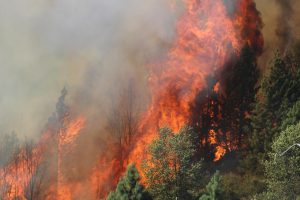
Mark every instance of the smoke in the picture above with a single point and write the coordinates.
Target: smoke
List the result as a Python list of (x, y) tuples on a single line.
[(281, 26), (92, 47), (284, 28)]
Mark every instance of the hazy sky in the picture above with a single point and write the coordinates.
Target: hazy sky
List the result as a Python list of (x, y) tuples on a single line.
[(86, 45), (46, 45)]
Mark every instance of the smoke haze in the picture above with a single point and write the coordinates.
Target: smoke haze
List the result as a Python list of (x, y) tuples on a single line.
[(91, 47), (85, 44), (97, 49), (281, 26)]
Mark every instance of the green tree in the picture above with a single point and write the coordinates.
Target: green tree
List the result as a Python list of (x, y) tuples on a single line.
[(283, 167), (279, 91), (170, 169), (129, 187), (213, 188), (292, 117)]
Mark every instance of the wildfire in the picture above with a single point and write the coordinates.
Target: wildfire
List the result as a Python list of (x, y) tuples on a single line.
[(66, 137), (206, 36), (21, 171)]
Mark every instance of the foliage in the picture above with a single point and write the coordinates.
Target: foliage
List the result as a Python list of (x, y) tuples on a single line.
[(292, 117), (213, 188), (241, 186), (279, 91), (170, 169), (129, 188), (283, 170)]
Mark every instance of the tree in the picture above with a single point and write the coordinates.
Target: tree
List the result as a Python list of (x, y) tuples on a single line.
[(213, 188), (129, 187), (9, 145), (206, 120), (279, 91), (170, 170), (239, 82), (123, 120), (292, 117), (10, 163), (283, 169), (225, 104), (34, 168)]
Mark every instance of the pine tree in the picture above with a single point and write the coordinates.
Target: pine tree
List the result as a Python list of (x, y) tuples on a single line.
[(283, 167), (225, 105), (170, 169), (292, 117), (213, 188), (278, 92), (129, 187), (239, 80), (205, 119)]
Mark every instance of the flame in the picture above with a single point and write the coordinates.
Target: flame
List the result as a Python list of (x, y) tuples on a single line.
[(16, 176), (220, 150), (206, 36), (66, 138)]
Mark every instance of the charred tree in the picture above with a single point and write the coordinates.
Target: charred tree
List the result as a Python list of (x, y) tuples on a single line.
[(239, 81), (205, 119)]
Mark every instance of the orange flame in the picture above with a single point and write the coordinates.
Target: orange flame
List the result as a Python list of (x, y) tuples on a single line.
[(65, 139), (206, 36), (15, 177)]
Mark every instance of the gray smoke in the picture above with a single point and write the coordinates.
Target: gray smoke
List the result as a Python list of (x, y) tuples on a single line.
[(93, 47), (281, 20), (285, 24)]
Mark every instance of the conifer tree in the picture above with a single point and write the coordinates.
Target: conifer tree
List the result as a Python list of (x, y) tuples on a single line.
[(239, 80), (225, 105), (170, 170), (279, 91), (292, 117), (283, 167), (213, 188), (129, 187)]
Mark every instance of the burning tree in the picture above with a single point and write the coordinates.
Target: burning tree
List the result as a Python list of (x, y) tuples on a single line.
[(28, 174), (22, 176), (201, 81), (64, 131), (123, 121)]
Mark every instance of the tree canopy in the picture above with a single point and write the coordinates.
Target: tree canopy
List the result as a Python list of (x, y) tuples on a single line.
[(283, 168), (129, 187), (170, 170)]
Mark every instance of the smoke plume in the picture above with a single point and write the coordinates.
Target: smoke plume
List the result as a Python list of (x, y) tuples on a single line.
[(281, 26), (285, 26), (92, 47)]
